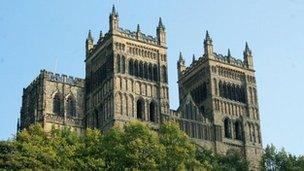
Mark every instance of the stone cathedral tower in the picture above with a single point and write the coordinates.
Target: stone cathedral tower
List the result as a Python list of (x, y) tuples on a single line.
[(126, 76), (224, 90)]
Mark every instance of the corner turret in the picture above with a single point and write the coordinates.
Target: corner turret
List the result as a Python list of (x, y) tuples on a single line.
[(229, 55), (208, 46), (161, 33), (248, 59), (89, 43), (180, 65), (193, 59), (114, 20), (138, 31)]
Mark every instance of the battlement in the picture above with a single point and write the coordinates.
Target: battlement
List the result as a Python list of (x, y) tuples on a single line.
[(62, 78), (133, 35), (229, 59), (219, 57), (56, 78)]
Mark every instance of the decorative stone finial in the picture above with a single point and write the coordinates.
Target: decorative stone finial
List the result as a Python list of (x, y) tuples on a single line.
[(207, 37), (138, 28), (247, 49), (90, 36), (181, 58), (113, 9), (229, 53), (193, 58), (100, 34), (160, 23)]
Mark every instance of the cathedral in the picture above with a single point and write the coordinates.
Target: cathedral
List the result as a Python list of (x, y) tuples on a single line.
[(126, 78)]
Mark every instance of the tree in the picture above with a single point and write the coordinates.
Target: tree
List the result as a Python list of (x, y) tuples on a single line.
[(179, 150), (233, 161), (113, 149), (207, 158), (89, 156), (273, 160), (29, 150), (66, 146), (135, 146)]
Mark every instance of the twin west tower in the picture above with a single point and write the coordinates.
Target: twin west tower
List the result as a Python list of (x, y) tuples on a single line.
[(126, 78)]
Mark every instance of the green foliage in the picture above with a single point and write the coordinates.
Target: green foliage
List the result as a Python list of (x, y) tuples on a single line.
[(179, 150), (89, 156), (135, 146), (233, 161), (142, 148), (274, 160)]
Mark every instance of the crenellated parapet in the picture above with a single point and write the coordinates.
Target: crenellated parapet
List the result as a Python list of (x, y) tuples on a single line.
[(229, 60), (116, 30), (246, 63), (62, 78), (138, 36)]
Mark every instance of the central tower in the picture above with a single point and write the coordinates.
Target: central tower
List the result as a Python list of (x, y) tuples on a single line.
[(126, 76)]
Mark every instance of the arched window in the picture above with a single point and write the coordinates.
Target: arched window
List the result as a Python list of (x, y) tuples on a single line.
[(141, 70), (57, 104), (131, 66), (140, 109), (227, 127), (238, 130), (155, 75), (146, 71), (221, 89), (150, 72), (164, 74), (233, 97), (136, 68), (152, 112), (71, 106)]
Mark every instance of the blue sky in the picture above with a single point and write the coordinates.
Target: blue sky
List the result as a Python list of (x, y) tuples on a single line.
[(36, 34)]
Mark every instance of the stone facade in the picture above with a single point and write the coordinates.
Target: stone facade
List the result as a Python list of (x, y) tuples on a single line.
[(223, 91), (54, 101), (128, 69), (126, 78)]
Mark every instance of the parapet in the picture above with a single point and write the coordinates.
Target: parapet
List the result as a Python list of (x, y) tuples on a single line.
[(133, 35), (230, 60), (62, 78), (219, 57)]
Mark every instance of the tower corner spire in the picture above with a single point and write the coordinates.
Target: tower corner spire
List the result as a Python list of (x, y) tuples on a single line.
[(113, 19), (90, 37), (160, 23), (229, 53), (193, 58), (161, 33), (181, 58), (208, 46), (181, 67), (138, 28), (248, 59), (89, 44), (114, 9)]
